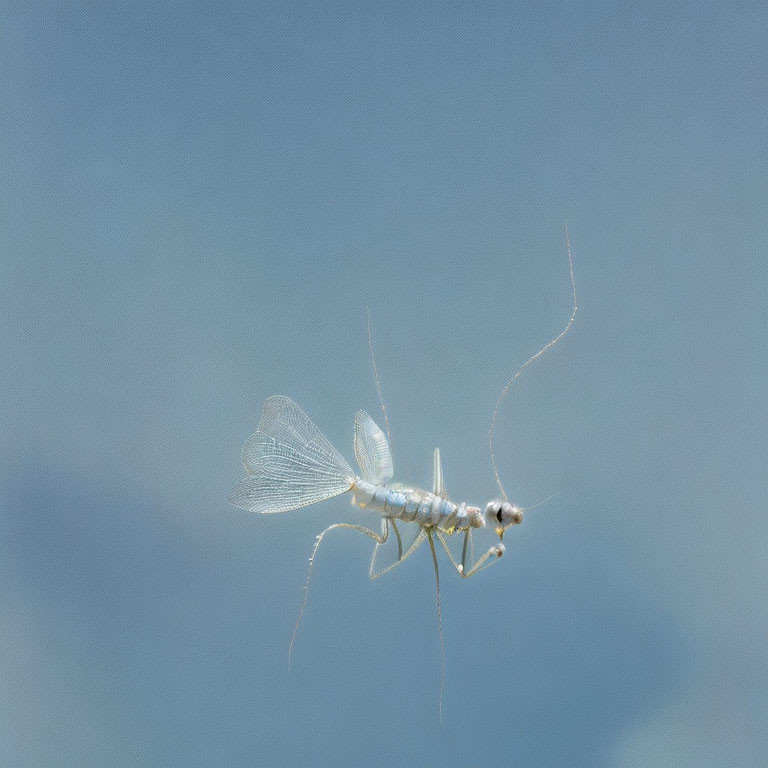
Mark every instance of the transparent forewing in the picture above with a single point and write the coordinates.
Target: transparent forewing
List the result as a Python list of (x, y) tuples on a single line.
[(438, 485), (459, 547), (403, 539), (372, 450), (284, 421), (289, 463)]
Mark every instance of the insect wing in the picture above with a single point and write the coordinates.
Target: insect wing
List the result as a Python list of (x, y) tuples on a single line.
[(372, 450), (289, 463)]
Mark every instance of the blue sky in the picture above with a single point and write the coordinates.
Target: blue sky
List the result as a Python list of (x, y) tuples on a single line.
[(199, 204)]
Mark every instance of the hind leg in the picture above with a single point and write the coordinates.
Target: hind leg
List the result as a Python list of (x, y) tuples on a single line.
[(406, 545), (379, 538)]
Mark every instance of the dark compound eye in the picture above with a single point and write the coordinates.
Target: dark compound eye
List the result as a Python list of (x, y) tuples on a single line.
[(493, 508), (498, 516)]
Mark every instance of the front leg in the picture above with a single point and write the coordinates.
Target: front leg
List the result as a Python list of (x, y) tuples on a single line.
[(465, 564)]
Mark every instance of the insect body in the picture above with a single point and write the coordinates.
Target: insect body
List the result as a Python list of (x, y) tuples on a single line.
[(290, 464)]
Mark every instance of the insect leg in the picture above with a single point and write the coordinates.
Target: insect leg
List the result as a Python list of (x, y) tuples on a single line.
[(439, 624), (486, 560), (379, 538), (405, 549)]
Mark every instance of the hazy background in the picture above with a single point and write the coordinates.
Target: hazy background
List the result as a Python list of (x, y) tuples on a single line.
[(198, 202)]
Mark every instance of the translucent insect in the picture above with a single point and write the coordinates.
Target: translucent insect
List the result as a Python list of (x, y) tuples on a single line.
[(290, 464)]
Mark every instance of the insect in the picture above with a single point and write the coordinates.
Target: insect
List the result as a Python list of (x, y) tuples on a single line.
[(290, 464)]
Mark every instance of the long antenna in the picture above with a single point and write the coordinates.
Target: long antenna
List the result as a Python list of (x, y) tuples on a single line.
[(528, 362), (376, 376)]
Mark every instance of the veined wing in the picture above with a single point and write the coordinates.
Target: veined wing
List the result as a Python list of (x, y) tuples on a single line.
[(283, 421), (372, 450), (289, 463)]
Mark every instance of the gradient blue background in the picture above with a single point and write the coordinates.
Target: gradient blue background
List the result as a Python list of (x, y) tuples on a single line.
[(199, 201)]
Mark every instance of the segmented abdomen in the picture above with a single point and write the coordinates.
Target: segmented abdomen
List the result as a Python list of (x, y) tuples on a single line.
[(409, 505)]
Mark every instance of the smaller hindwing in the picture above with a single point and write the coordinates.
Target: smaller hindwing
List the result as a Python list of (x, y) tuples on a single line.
[(372, 450)]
